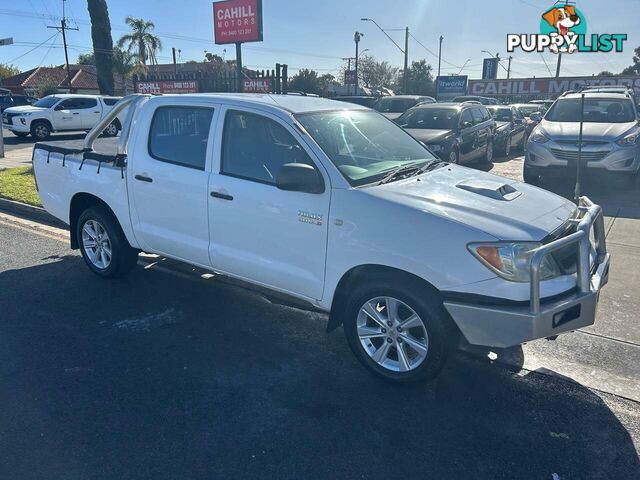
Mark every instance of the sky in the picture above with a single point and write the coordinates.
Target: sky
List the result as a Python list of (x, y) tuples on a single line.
[(318, 34)]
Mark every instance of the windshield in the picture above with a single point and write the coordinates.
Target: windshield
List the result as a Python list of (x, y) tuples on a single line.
[(46, 102), (394, 105), (596, 110), (527, 110), (430, 119), (364, 145), (500, 114)]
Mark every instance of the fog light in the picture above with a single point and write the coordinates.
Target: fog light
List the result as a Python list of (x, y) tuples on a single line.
[(23, 121)]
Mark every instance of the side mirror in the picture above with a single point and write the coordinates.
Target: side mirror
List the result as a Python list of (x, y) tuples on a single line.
[(466, 124), (59, 107), (299, 177)]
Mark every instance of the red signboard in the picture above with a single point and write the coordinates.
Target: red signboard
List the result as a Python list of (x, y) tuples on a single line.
[(168, 86), (237, 21), (257, 85)]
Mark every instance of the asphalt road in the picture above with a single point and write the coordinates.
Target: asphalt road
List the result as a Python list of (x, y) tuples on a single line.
[(71, 140), (164, 375)]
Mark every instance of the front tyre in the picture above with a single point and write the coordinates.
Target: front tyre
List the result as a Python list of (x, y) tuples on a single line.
[(103, 245), (400, 334), (40, 130), (454, 156), (488, 156)]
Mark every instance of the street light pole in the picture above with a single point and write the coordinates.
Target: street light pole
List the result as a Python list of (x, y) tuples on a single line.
[(356, 38), (406, 60), (509, 67), (440, 54)]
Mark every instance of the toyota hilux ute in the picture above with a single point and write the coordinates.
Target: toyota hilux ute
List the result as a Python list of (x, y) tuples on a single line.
[(336, 207)]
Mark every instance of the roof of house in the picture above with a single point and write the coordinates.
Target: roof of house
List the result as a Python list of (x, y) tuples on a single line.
[(83, 77)]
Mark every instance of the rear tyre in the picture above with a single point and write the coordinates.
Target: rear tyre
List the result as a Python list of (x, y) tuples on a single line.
[(40, 130), (111, 130), (103, 245), (488, 156), (397, 331)]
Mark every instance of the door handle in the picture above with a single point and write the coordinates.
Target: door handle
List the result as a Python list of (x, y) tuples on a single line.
[(222, 196), (142, 178)]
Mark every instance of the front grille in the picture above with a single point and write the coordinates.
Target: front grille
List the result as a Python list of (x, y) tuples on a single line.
[(567, 257), (9, 117), (572, 155)]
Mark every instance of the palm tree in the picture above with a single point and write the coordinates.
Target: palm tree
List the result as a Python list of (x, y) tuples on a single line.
[(102, 44), (141, 41)]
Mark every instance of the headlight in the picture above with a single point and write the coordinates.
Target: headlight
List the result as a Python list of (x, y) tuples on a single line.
[(512, 260), (538, 137), (629, 140), (435, 147)]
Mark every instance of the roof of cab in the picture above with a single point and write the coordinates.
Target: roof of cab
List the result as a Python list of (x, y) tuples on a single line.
[(288, 103)]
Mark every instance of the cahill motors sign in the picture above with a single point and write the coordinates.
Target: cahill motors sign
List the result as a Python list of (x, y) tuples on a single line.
[(237, 21), (546, 87), (563, 29)]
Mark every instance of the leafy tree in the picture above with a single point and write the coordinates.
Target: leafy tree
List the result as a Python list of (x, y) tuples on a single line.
[(141, 41), (102, 44), (7, 71), (635, 68), (86, 59), (420, 79), (48, 88), (126, 64), (309, 81), (606, 73), (372, 73)]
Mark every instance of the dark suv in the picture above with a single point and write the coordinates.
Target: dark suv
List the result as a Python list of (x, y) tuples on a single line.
[(394, 106), (456, 132), (7, 101)]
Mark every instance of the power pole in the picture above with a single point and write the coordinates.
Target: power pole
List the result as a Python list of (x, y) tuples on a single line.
[(62, 28), (406, 59), (509, 67), (558, 65), (440, 54)]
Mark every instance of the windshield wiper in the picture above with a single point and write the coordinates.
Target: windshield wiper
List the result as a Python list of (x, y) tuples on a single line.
[(399, 171)]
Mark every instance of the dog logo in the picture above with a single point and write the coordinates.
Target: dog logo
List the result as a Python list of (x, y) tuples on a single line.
[(563, 19), (563, 29)]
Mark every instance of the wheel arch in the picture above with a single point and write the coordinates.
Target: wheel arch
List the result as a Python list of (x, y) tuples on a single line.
[(79, 203), (360, 273), (41, 120)]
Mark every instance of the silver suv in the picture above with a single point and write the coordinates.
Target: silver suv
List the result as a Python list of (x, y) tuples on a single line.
[(610, 140)]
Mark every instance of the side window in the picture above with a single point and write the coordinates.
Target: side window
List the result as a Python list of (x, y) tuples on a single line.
[(466, 117), (110, 101), (77, 103), (179, 135), (516, 114), (87, 103), (255, 147), (486, 116), (477, 116)]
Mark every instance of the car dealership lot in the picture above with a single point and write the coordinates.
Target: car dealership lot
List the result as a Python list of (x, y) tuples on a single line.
[(211, 380)]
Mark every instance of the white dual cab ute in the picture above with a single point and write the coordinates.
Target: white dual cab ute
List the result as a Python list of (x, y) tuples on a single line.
[(336, 207), (61, 113)]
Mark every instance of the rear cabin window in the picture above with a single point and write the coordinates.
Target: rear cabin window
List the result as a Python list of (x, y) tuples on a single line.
[(255, 147), (179, 135), (110, 101)]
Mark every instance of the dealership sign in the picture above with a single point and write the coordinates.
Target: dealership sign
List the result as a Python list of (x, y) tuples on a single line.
[(490, 68), (171, 86), (451, 86), (546, 86), (237, 21), (257, 85)]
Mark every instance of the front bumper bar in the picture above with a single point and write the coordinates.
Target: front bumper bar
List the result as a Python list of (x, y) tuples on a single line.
[(506, 326)]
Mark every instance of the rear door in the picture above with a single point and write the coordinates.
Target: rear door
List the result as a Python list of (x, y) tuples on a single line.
[(169, 175), (260, 233), (91, 112)]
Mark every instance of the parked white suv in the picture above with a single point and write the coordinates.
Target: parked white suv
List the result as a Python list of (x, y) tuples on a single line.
[(335, 206), (60, 113)]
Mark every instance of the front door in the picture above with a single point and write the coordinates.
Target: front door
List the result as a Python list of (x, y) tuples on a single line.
[(260, 233), (168, 178), (67, 115)]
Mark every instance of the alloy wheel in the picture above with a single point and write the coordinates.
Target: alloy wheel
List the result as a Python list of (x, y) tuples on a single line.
[(392, 334), (111, 130), (507, 148), (41, 131), (96, 244), (453, 158)]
